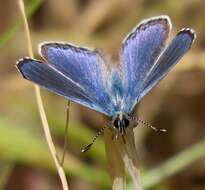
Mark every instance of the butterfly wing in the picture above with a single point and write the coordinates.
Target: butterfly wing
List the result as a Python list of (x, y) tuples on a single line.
[(139, 51), (80, 74), (77, 74), (169, 57)]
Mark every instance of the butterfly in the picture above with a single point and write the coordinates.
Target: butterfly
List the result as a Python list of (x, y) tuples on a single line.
[(85, 77)]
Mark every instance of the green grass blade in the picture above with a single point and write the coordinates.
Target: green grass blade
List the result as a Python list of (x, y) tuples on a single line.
[(173, 165), (21, 145), (31, 8)]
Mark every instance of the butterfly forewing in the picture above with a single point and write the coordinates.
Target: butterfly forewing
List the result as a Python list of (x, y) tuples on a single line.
[(139, 52), (71, 69), (49, 78)]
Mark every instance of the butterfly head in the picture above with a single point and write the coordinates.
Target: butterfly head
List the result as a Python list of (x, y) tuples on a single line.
[(120, 122)]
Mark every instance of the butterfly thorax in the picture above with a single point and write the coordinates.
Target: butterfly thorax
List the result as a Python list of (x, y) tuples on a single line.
[(121, 121)]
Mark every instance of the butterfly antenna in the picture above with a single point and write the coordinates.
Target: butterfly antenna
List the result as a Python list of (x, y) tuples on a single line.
[(66, 132), (85, 149), (151, 126)]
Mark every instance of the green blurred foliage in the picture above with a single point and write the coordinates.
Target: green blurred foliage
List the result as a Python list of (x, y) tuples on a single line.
[(176, 104)]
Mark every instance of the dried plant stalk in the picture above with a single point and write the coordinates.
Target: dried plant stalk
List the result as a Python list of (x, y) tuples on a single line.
[(128, 154), (115, 162), (44, 121)]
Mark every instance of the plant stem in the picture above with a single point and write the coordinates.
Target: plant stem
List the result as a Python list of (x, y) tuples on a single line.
[(116, 165), (41, 108), (33, 5), (22, 146), (128, 153), (172, 166)]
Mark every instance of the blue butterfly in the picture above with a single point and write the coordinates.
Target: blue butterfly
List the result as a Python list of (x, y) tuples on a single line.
[(83, 76)]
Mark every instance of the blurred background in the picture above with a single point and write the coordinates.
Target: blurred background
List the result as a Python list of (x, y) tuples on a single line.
[(177, 104)]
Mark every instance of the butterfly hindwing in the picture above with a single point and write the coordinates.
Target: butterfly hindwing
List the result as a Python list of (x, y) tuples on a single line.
[(169, 57)]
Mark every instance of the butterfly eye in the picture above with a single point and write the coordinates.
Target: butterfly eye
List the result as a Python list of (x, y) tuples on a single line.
[(126, 122), (116, 122), (121, 122)]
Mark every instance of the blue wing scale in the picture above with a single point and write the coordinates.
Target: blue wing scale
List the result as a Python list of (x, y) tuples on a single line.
[(139, 51), (82, 76), (168, 59)]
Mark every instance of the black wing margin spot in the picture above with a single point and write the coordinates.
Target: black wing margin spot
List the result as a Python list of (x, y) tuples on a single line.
[(188, 31), (21, 62)]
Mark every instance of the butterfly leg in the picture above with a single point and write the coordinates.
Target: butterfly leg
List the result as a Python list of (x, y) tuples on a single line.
[(66, 131)]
